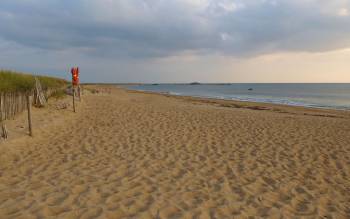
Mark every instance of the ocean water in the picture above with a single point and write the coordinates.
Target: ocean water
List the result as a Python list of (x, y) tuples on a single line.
[(335, 96)]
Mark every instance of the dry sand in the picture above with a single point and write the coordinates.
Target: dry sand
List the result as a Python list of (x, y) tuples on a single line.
[(137, 155)]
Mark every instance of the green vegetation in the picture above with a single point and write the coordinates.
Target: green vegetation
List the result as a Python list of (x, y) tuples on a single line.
[(50, 82), (13, 81), (59, 94)]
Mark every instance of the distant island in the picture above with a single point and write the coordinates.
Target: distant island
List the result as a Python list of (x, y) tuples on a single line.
[(195, 83)]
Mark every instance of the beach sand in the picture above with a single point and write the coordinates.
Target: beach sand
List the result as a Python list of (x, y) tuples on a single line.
[(129, 154)]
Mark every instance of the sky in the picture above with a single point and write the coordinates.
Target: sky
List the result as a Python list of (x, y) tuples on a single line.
[(176, 41)]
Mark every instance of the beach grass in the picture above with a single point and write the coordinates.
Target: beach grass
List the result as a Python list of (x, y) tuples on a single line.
[(59, 94), (11, 81)]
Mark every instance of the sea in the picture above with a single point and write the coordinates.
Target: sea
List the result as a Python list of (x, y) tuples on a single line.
[(328, 95)]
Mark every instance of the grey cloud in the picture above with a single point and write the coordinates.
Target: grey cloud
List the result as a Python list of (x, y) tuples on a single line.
[(156, 28)]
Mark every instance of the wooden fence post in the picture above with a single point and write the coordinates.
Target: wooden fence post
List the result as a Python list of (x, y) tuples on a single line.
[(79, 92), (29, 115), (3, 130), (73, 98)]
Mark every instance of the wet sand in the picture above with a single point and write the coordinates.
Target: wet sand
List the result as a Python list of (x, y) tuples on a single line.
[(129, 154)]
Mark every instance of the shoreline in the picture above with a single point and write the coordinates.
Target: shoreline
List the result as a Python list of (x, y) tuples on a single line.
[(297, 104), (276, 107)]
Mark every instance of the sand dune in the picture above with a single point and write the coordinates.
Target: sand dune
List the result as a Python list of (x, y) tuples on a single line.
[(137, 155)]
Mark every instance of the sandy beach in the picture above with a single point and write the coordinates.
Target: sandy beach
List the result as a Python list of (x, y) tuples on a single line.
[(129, 154)]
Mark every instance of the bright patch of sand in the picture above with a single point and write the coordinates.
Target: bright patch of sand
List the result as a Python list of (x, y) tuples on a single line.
[(136, 155)]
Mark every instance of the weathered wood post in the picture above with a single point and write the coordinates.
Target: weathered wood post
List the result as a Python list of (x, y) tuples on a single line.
[(3, 130), (29, 115), (79, 92), (73, 88)]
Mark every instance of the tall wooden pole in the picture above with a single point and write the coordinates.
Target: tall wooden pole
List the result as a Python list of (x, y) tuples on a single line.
[(73, 98), (29, 115), (79, 92)]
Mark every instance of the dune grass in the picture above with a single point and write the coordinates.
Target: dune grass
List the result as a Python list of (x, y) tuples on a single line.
[(59, 94), (11, 81)]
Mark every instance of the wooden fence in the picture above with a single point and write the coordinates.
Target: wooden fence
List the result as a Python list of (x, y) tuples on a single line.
[(14, 103), (11, 104)]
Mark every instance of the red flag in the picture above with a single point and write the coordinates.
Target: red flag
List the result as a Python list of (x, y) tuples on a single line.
[(75, 75)]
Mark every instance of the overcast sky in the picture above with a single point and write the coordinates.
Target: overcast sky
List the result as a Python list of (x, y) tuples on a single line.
[(179, 40)]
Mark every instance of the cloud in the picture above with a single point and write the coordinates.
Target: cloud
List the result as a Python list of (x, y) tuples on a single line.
[(343, 12), (156, 28)]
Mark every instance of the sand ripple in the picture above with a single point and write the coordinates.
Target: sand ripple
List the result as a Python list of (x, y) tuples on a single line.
[(149, 156)]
